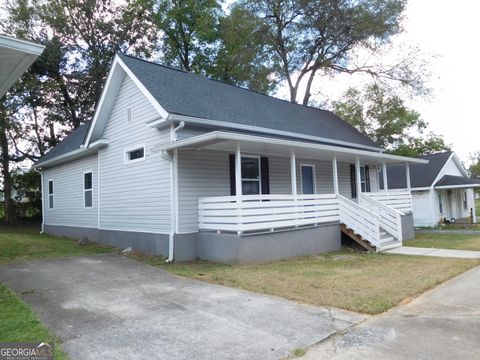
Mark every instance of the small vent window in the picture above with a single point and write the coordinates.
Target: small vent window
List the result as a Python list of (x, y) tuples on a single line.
[(136, 154), (129, 113)]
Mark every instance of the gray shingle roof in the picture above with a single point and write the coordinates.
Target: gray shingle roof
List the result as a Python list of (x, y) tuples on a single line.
[(451, 180), (421, 175), (193, 95), (70, 143)]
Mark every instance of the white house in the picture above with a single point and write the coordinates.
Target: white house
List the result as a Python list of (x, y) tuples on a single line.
[(440, 189), (177, 164), (16, 56)]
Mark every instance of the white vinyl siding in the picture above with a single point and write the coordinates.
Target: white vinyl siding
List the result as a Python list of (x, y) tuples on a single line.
[(189, 131), (134, 196), (200, 173), (69, 194), (206, 173), (424, 213)]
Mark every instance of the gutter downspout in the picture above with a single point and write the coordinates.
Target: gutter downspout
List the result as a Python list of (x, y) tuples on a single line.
[(173, 197), (43, 205)]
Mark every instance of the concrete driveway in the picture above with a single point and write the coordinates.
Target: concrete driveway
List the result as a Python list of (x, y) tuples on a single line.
[(444, 323), (112, 307)]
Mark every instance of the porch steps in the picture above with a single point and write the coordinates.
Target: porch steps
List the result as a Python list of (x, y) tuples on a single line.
[(387, 241), (357, 238)]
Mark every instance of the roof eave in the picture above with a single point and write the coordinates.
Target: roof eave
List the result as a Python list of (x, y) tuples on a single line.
[(72, 155), (223, 124), (219, 136)]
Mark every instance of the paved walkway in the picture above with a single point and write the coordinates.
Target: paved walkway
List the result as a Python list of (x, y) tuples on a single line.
[(112, 307), (410, 250), (442, 324), (448, 231)]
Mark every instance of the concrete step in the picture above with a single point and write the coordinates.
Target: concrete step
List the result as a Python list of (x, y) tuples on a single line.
[(390, 245)]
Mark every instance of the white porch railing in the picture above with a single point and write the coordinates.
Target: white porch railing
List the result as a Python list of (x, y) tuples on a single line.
[(389, 218), (259, 213), (361, 220), (265, 212), (400, 200)]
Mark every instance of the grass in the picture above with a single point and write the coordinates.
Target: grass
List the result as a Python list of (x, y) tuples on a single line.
[(366, 283), (18, 323), (446, 241), (25, 243)]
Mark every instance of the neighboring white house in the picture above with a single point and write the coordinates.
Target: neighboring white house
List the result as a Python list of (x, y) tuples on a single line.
[(177, 164), (440, 189), (16, 56)]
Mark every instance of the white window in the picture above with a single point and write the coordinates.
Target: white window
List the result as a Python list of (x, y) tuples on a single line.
[(50, 194), (251, 184), (307, 173), (135, 154), (440, 204), (88, 189), (129, 114), (364, 178), (465, 202)]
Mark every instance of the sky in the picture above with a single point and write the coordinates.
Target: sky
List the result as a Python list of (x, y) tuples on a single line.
[(450, 31)]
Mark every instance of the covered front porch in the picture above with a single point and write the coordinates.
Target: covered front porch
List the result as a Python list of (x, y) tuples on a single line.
[(277, 185)]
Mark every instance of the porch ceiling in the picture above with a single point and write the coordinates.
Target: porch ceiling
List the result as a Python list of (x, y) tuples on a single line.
[(225, 141)]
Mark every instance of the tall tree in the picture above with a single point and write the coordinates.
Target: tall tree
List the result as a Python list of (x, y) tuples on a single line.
[(188, 31), (382, 115), (242, 57), (309, 37)]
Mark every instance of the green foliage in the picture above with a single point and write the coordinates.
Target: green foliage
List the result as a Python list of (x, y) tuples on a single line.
[(308, 37), (241, 63), (27, 196), (190, 31), (382, 115), (474, 168)]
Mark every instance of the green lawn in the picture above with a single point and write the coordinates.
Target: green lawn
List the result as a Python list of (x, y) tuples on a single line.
[(25, 243), (367, 283), (17, 321), (446, 241)]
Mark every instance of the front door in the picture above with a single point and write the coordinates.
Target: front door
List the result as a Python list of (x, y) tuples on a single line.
[(308, 179)]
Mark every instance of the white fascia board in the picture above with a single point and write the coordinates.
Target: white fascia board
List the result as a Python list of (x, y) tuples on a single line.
[(225, 136), (228, 125), (73, 155), (27, 51), (110, 91), (439, 175), (24, 46), (460, 165), (463, 186)]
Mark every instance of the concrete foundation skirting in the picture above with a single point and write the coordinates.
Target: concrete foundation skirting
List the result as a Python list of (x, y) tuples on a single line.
[(408, 230), (225, 248), (231, 248)]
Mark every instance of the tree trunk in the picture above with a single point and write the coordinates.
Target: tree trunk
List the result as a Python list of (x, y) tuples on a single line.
[(307, 95), (7, 179)]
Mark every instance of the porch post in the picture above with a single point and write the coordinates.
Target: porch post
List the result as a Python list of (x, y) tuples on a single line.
[(335, 174), (407, 174), (238, 172), (359, 180), (293, 172), (385, 179)]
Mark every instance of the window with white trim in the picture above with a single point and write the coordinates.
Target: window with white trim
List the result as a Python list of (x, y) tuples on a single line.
[(440, 204), (135, 154), (50, 194), (364, 178), (88, 189), (251, 183), (465, 202)]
